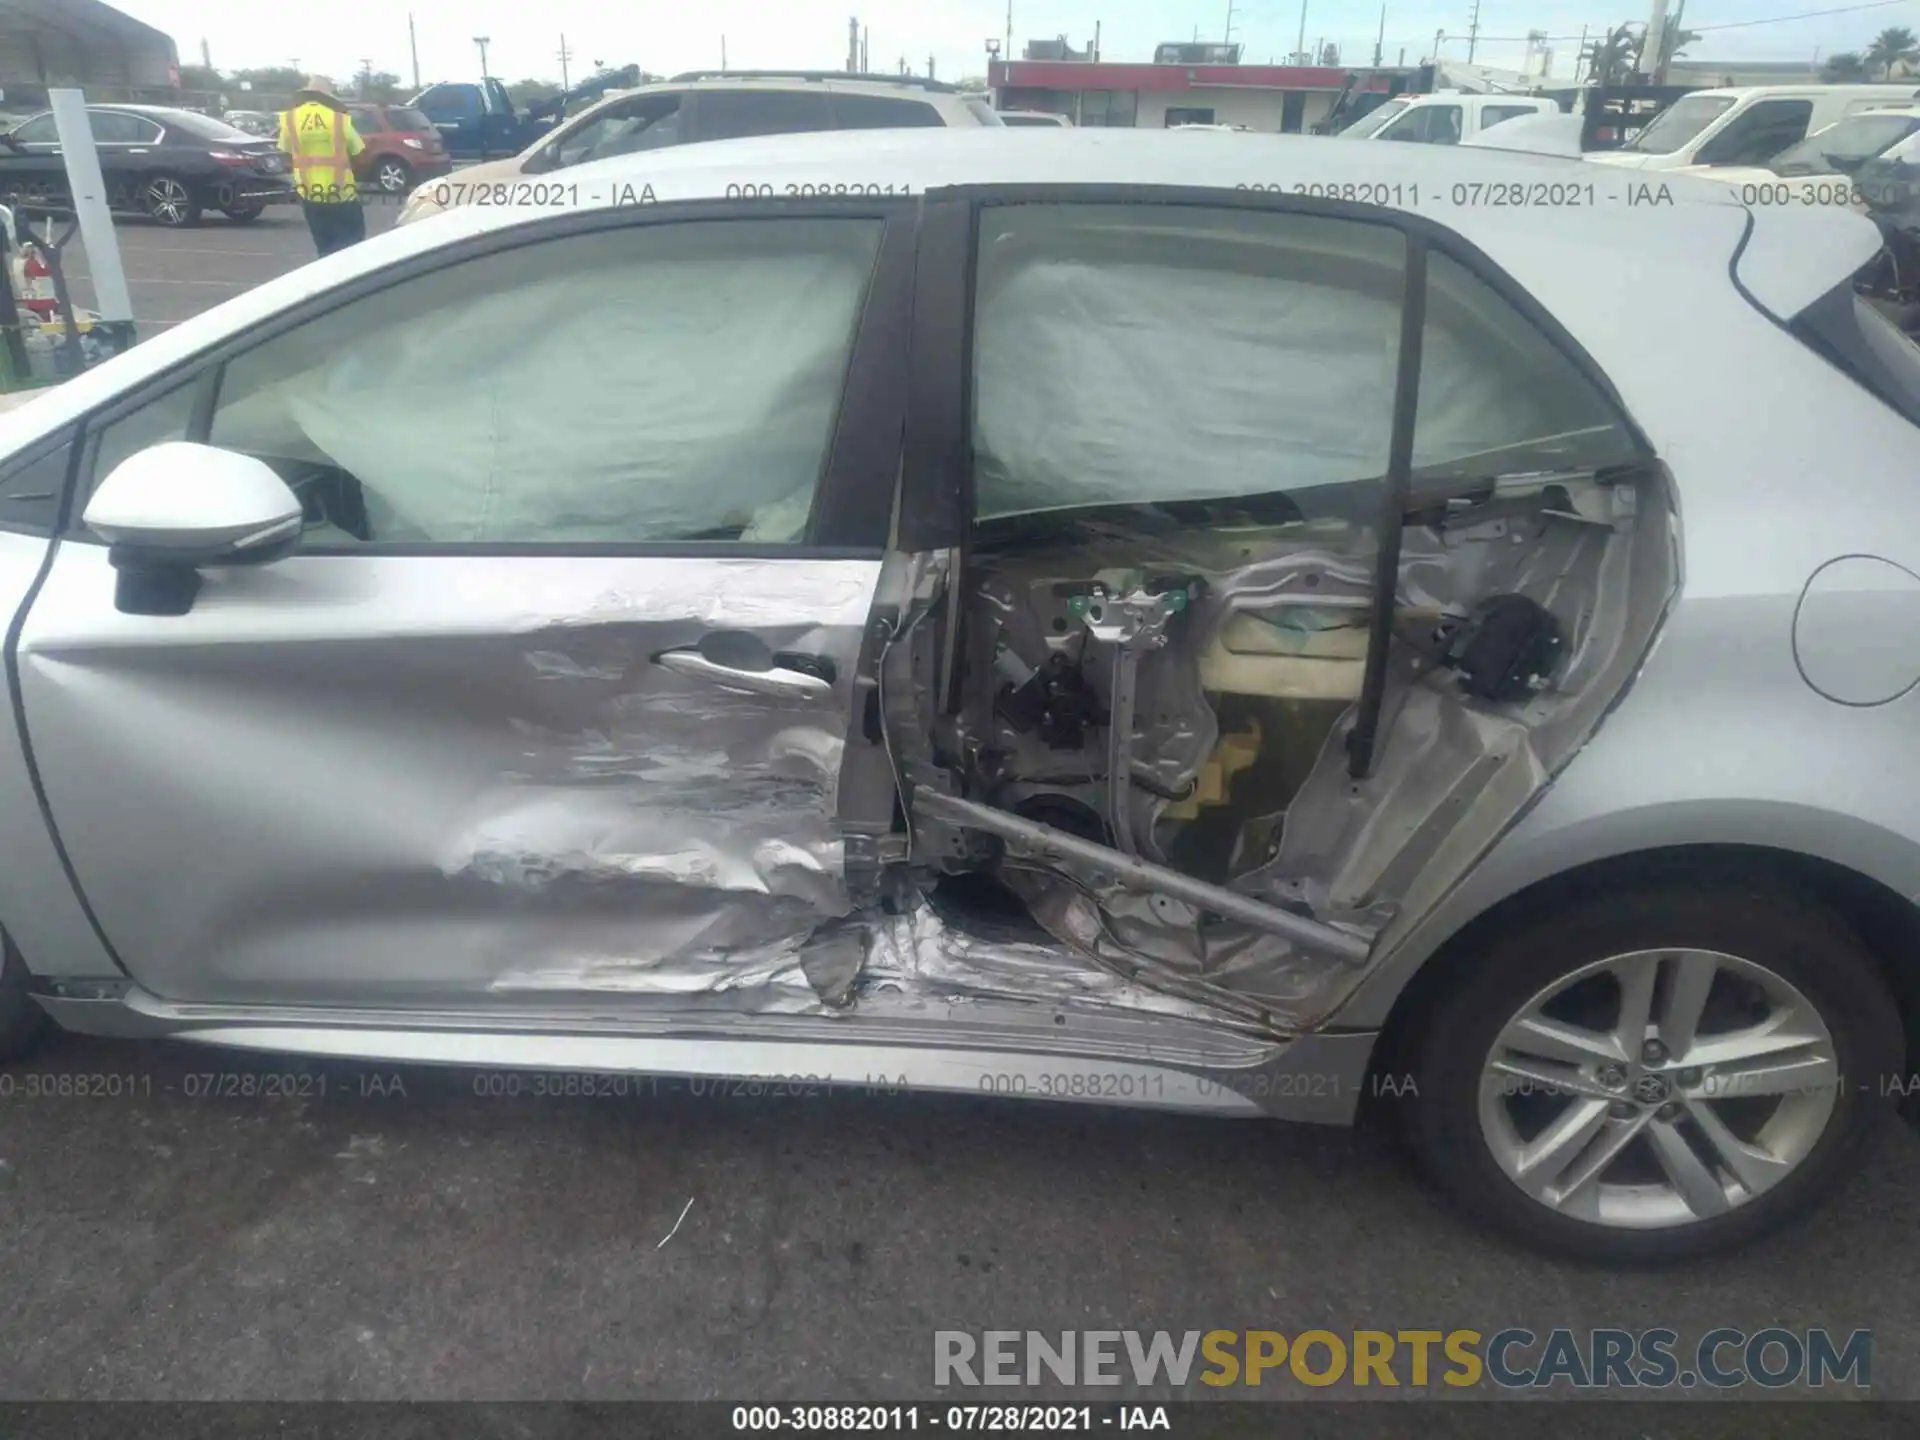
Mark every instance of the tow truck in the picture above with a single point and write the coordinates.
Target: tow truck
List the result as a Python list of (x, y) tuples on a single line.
[(478, 120)]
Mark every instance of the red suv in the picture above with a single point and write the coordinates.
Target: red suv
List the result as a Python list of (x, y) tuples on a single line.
[(403, 148)]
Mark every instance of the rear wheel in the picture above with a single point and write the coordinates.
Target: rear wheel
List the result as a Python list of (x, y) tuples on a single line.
[(170, 200), (393, 175), (22, 1021), (1656, 1074)]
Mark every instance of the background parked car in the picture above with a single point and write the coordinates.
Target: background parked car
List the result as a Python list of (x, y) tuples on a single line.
[(1446, 118), (167, 164), (1033, 117), (264, 123), (700, 106), (1807, 173), (403, 147), (478, 120), (1745, 125)]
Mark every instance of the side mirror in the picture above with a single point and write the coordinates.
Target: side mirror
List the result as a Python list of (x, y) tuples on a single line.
[(6, 139), (175, 507)]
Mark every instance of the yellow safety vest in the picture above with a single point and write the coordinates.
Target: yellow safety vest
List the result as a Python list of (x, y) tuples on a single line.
[(320, 141)]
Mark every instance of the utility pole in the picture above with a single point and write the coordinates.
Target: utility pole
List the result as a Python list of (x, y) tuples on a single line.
[(929, 67), (566, 80), (1096, 41), (1580, 55), (1655, 42), (364, 81), (482, 42), (413, 48), (853, 45), (1009, 29), (866, 51), (206, 56), (1300, 45), (1473, 31), (1380, 39), (1668, 30), (1228, 36), (723, 54), (1438, 36)]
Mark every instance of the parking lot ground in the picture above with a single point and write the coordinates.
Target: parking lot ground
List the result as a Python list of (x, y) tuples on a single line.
[(410, 1235), (173, 275)]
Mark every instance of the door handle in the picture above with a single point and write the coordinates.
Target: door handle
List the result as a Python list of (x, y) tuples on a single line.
[(782, 683)]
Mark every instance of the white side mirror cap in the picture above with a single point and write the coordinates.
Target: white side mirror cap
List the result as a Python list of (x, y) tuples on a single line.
[(194, 505)]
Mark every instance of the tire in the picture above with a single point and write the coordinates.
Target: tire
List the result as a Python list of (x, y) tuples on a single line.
[(22, 1022), (243, 214), (170, 201), (1769, 954), (393, 175)]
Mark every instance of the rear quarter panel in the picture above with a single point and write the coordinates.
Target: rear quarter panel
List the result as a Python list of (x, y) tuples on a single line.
[(1781, 464)]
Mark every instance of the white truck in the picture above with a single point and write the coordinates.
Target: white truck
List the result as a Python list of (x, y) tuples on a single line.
[(1446, 117)]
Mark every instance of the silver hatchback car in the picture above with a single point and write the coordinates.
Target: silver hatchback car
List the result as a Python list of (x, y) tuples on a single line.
[(1269, 630)]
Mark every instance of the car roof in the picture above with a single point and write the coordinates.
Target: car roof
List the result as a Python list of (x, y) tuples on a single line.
[(905, 88), (1795, 91), (154, 110), (1454, 97)]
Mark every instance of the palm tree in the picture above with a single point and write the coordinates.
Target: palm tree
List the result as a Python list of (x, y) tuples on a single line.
[(1893, 46), (1674, 41)]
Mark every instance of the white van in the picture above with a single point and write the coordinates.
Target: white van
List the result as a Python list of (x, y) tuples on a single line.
[(1745, 125), (1446, 117), (1821, 169)]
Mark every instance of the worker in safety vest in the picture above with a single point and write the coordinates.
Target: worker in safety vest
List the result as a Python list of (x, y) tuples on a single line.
[(320, 139)]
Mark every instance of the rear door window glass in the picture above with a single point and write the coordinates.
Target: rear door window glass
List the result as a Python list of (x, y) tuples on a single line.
[(1497, 397), (879, 112), (1145, 357), (649, 122), (731, 114), (1758, 134), (1494, 114), (1142, 356)]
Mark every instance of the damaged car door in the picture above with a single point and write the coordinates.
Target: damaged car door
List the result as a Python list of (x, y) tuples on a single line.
[(555, 693), (1303, 551)]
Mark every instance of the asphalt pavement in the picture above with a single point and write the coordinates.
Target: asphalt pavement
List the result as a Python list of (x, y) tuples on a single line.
[(172, 275), (378, 1232), (372, 1233)]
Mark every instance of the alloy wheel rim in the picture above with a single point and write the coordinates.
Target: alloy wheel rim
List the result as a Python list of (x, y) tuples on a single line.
[(168, 199), (392, 177), (1658, 1088)]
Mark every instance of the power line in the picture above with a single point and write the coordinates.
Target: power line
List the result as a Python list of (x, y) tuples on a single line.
[(1810, 15), (1730, 25)]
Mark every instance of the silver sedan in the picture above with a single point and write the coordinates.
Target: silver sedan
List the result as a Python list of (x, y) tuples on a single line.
[(1264, 630)]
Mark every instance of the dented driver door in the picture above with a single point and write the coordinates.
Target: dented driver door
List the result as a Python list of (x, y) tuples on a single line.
[(555, 698)]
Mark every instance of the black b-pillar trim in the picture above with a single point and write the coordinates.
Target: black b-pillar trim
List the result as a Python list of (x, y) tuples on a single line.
[(1363, 738)]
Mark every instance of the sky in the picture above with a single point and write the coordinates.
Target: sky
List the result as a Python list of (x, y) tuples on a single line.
[(524, 40)]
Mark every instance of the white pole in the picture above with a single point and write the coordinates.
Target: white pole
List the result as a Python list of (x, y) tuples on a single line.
[(89, 191), (1656, 39)]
